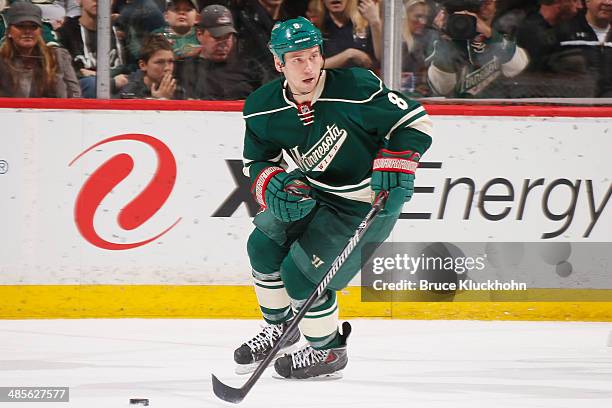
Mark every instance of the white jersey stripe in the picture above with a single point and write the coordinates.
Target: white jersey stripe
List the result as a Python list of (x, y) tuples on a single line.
[(267, 112), (246, 163), (380, 88), (584, 42), (359, 185), (406, 117)]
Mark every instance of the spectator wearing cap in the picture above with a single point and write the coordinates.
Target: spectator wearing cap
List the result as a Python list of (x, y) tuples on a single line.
[(79, 36), (28, 67), (48, 30), (217, 73), (181, 17), (155, 76)]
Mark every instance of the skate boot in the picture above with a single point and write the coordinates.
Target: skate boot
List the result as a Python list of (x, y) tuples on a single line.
[(309, 363), (250, 354)]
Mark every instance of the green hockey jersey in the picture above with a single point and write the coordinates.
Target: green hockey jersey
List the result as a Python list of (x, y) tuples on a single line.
[(333, 139)]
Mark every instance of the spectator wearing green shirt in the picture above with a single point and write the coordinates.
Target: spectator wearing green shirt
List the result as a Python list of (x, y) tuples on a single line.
[(181, 17)]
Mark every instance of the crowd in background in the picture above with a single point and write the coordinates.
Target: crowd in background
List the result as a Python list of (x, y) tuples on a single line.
[(217, 50)]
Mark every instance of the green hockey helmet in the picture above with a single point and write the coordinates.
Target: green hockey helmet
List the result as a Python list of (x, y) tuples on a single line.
[(293, 35)]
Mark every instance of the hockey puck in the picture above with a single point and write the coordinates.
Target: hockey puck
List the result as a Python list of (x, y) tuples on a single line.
[(139, 401)]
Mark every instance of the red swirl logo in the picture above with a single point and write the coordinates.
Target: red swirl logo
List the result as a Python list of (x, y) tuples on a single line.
[(109, 175)]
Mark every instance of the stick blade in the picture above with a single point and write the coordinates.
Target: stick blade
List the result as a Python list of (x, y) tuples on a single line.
[(227, 393)]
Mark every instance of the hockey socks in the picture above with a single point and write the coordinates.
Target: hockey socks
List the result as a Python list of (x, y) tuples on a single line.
[(272, 297), (320, 324)]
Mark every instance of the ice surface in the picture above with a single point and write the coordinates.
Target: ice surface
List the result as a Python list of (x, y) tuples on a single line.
[(420, 364)]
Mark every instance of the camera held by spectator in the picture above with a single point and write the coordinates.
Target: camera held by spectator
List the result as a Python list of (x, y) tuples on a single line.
[(460, 25)]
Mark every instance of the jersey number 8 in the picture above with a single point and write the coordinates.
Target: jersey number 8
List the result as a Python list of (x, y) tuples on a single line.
[(396, 100)]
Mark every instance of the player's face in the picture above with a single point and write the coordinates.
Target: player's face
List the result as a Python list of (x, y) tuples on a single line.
[(216, 49), (302, 69), (160, 64)]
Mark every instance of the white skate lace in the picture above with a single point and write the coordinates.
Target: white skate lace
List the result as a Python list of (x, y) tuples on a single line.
[(307, 356), (268, 336)]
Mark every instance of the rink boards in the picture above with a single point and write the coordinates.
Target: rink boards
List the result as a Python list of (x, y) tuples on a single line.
[(110, 211)]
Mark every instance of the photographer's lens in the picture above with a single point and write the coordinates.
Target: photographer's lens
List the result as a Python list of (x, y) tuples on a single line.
[(461, 27)]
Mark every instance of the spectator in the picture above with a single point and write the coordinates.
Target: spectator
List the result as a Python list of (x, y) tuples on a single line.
[(254, 21), (72, 7), (472, 67), (352, 33), (314, 12), (537, 34), (137, 20), (590, 34), (418, 39), (54, 14), (181, 17), (216, 73), (154, 79), (551, 72), (48, 33), (28, 67), (511, 13), (79, 36)]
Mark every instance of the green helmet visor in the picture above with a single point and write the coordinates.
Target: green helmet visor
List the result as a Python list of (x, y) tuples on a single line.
[(294, 35)]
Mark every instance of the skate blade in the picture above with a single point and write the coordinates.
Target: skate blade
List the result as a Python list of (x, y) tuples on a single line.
[(324, 377), (242, 369)]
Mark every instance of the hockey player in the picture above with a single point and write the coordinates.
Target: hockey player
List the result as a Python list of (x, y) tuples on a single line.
[(350, 138)]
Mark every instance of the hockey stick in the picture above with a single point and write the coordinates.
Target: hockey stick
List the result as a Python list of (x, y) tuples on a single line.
[(236, 395)]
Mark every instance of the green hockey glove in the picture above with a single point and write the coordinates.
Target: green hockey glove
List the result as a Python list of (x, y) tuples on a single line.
[(394, 172), (283, 193)]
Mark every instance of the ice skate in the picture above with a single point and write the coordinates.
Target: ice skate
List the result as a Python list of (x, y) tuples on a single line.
[(250, 354), (307, 362)]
